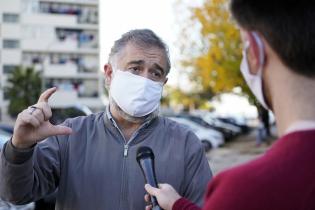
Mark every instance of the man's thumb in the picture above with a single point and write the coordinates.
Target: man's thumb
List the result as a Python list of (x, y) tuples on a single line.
[(151, 190)]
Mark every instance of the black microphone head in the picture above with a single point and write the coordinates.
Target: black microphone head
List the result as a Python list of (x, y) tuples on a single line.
[(144, 152)]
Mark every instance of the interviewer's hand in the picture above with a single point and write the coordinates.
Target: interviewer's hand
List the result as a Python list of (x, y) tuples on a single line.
[(32, 124), (166, 196)]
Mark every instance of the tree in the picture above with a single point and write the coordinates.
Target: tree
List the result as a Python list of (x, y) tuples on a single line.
[(184, 101), (23, 89), (215, 65)]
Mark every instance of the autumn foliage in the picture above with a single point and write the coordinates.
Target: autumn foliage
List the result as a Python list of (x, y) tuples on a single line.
[(213, 66)]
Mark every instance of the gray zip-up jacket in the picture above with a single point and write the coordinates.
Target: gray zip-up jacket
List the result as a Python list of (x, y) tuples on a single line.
[(94, 168)]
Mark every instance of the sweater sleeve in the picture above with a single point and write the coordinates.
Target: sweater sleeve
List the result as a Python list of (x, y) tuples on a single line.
[(197, 171), (34, 175), (184, 204), (15, 155), (30, 174)]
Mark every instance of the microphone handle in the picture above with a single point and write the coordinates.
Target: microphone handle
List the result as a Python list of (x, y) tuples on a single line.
[(150, 178), (155, 204), (153, 199), (156, 208)]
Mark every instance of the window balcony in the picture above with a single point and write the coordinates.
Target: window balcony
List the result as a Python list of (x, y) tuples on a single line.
[(60, 70)]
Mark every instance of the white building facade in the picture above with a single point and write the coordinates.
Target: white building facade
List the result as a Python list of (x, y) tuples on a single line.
[(60, 38)]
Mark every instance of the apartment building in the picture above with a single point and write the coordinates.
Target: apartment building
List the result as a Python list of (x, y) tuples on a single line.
[(60, 38)]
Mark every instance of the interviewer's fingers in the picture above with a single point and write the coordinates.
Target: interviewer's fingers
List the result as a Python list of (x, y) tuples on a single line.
[(149, 207), (166, 195), (147, 198), (151, 190)]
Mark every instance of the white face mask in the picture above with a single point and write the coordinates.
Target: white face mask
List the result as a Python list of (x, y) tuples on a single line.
[(135, 95), (254, 81)]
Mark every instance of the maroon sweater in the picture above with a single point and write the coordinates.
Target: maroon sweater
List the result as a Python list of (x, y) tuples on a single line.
[(282, 179)]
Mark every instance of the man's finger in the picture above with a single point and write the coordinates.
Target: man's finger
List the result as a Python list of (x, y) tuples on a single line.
[(149, 207), (45, 108), (59, 130), (39, 114), (151, 190), (28, 119), (46, 94)]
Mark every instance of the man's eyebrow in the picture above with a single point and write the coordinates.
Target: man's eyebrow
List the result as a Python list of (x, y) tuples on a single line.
[(141, 62), (138, 62)]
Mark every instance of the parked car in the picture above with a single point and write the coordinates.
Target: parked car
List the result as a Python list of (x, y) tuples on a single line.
[(228, 134), (59, 115), (245, 128), (4, 137), (209, 138), (235, 130), (7, 128)]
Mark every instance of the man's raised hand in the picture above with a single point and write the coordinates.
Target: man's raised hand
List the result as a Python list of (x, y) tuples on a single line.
[(32, 124)]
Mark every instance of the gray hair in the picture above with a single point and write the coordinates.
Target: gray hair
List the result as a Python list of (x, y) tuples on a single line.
[(140, 37)]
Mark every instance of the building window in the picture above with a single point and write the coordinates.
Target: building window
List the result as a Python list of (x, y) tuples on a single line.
[(10, 18), (30, 6), (11, 43), (9, 68)]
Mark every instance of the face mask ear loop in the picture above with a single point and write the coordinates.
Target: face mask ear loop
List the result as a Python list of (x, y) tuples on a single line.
[(261, 60), (261, 52)]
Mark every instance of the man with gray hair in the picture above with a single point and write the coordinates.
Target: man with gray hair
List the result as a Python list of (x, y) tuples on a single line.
[(91, 161)]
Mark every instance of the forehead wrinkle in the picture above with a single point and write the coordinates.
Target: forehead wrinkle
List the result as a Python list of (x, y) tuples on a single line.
[(136, 53)]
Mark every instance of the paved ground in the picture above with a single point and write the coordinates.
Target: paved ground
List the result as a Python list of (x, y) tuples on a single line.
[(236, 152)]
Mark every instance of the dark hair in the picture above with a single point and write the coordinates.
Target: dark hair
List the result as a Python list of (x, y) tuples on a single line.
[(287, 25), (140, 37)]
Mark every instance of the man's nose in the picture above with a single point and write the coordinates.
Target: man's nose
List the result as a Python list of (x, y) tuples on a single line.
[(145, 73)]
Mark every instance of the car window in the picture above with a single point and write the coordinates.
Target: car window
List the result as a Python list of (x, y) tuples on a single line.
[(4, 137), (60, 115)]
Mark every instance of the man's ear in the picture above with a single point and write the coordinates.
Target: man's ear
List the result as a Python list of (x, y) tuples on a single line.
[(108, 72), (166, 79), (254, 51)]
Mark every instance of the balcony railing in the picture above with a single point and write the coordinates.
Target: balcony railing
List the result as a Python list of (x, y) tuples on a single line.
[(84, 14)]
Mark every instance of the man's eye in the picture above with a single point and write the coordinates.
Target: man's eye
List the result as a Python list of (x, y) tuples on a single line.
[(157, 74), (134, 68)]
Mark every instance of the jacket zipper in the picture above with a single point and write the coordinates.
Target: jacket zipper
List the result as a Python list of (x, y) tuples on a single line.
[(126, 147), (124, 193), (123, 179)]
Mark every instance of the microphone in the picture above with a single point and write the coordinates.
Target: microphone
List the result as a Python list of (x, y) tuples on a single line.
[(145, 158)]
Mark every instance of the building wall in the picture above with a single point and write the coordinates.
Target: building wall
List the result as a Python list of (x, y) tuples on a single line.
[(59, 38)]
